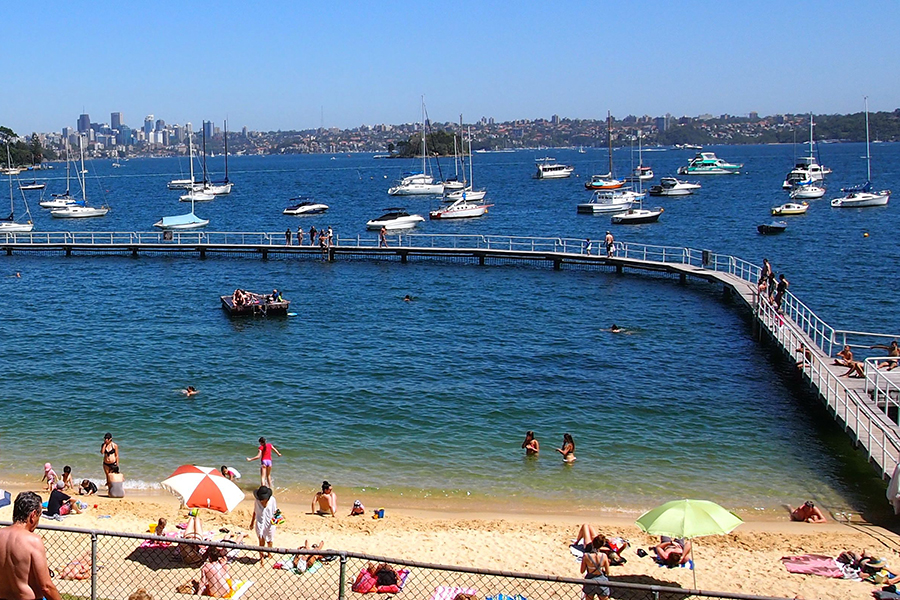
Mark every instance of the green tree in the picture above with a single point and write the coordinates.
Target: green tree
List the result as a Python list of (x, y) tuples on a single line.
[(37, 151)]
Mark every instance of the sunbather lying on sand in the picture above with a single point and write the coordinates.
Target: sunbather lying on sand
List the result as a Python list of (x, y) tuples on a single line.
[(302, 562), (673, 552), (78, 568)]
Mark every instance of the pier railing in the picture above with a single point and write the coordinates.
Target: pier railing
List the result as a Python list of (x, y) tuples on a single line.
[(103, 564)]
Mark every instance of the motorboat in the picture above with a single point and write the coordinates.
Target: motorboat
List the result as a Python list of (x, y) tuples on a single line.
[(772, 227), (637, 216), (305, 206), (79, 210), (32, 185), (395, 218), (862, 195), (806, 190), (707, 163), (461, 209), (806, 168), (688, 147), (244, 303), (603, 182), (606, 202), (791, 208), (670, 186), (552, 170)]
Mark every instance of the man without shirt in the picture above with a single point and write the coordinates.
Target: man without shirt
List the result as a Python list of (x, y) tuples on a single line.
[(24, 573)]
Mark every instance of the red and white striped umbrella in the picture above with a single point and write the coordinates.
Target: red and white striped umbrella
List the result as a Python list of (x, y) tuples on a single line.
[(203, 487)]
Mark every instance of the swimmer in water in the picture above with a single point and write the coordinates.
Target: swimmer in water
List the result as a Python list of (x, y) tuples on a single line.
[(190, 391), (615, 329), (407, 298)]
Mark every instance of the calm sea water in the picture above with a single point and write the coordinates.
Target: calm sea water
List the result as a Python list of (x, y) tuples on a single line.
[(431, 399)]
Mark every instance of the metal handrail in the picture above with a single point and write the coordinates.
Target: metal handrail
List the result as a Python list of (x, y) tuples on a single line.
[(881, 387)]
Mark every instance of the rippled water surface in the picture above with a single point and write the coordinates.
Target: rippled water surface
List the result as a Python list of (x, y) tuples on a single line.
[(431, 398)]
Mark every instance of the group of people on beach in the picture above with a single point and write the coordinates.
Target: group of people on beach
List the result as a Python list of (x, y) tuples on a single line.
[(532, 447)]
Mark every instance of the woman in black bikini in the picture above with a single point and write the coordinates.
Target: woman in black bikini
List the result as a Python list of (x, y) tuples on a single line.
[(110, 452)]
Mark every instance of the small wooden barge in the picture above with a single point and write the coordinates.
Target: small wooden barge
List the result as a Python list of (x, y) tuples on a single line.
[(243, 303)]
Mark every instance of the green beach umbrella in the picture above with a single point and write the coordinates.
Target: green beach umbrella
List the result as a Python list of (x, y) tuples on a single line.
[(688, 519)]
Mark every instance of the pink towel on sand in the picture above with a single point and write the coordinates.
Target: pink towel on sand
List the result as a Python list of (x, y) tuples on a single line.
[(445, 592), (813, 564)]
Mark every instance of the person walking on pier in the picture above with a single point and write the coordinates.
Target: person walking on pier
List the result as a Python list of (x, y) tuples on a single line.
[(312, 235), (610, 244), (765, 273), (287, 236), (299, 236), (382, 238), (588, 246)]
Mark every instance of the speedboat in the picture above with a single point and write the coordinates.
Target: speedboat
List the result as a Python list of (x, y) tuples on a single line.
[(636, 216), (806, 190), (670, 186), (791, 208), (551, 170), (603, 182), (688, 147), (395, 218), (772, 227), (607, 202), (33, 185), (461, 209), (305, 207), (861, 196), (806, 169), (79, 210), (706, 163), (417, 184)]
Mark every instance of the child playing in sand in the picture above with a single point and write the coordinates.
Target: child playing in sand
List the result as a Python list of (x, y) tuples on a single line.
[(68, 482), (358, 509), (50, 477)]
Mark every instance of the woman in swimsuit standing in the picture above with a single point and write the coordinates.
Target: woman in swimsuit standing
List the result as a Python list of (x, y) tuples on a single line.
[(265, 462), (531, 445), (568, 448), (110, 452), (595, 566)]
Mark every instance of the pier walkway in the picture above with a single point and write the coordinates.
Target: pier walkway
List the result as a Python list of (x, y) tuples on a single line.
[(868, 408)]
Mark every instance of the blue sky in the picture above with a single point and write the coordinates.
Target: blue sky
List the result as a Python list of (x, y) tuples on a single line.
[(296, 65)]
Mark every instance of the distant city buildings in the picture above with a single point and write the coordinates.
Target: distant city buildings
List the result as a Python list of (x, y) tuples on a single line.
[(115, 120)]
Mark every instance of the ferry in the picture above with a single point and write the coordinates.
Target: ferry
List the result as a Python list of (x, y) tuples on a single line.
[(707, 163)]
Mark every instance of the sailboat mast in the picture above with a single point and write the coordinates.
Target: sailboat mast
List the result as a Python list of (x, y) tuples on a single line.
[(191, 155), (68, 163), (811, 134), (226, 151), (868, 157), (423, 135), (471, 173), (205, 181), (81, 147), (9, 173), (609, 139)]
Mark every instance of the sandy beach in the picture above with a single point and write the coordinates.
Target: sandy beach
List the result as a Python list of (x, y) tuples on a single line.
[(746, 561)]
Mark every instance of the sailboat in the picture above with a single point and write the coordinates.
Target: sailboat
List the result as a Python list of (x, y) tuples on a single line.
[(64, 199), (451, 184), (640, 172), (862, 195), (196, 194), (418, 184), (807, 169), (9, 224), (467, 193), (606, 182), (80, 209), (189, 220), (217, 188)]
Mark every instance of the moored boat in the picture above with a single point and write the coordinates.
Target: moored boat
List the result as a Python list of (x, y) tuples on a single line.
[(862, 195), (707, 163), (552, 170), (807, 190), (670, 186), (637, 216), (607, 202), (772, 227), (395, 218), (243, 303), (305, 206), (32, 185), (790, 208), (461, 209)]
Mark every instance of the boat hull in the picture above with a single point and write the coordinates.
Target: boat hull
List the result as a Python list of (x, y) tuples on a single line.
[(78, 212), (417, 189), (773, 228), (862, 200), (395, 224), (790, 209), (637, 217), (13, 227)]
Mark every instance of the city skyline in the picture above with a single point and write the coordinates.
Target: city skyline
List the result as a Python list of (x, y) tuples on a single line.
[(297, 66)]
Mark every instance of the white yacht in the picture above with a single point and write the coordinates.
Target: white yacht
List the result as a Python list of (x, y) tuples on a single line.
[(416, 184), (862, 195), (607, 202), (807, 190), (552, 170), (79, 209), (670, 186), (394, 219), (461, 209), (806, 168), (305, 206)]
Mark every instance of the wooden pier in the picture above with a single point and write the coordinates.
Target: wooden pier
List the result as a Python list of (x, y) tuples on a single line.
[(867, 408)]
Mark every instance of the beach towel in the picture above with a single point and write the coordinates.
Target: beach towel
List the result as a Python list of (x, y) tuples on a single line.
[(813, 564), (506, 597), (158, 543), (365, 583), (446, 592), (238, 588), (290, 568), (688, 565), (577, 550)]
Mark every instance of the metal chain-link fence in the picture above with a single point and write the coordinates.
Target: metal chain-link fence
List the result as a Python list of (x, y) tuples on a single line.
[(90, 564)]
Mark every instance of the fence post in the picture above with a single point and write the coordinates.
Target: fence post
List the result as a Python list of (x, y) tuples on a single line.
[(93, 565), (343, 579)]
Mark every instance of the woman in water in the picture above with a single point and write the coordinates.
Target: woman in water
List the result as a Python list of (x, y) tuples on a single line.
[(568, 448), (531, 445), (110, 452), (265, 462)]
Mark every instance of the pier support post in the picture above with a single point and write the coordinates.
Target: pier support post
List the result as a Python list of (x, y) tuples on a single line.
[(403, 258), (727, 293), (618, 269), (265, 254), (202, 252), (682, 278), (134, 251), (8, 251), (331, 255), (481, 260), (68, 250), (557, 264)]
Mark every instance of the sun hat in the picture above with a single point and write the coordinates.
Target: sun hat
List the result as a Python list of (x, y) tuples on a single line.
[(47, 466), (357, 503)]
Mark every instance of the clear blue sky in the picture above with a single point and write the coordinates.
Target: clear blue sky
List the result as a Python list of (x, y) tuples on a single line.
[(294, 65)]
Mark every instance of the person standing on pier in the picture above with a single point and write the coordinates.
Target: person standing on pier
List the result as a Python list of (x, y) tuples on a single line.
[(382, 238), (287, 236), (299, 236), (765, 273), (330, 237), (610, 244), (312, 235), (781, 290), (588, 246)]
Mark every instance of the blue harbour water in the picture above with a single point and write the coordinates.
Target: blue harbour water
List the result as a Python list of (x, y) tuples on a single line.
[(431, 399)]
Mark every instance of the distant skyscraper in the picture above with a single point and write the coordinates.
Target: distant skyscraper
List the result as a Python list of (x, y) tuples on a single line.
[(84, 123), (115, 120), (148, 125), (160, 125), (244, 131), (208, 129), (124, 136)]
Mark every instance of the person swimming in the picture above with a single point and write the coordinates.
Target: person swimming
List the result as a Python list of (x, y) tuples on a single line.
[(189, 391)]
